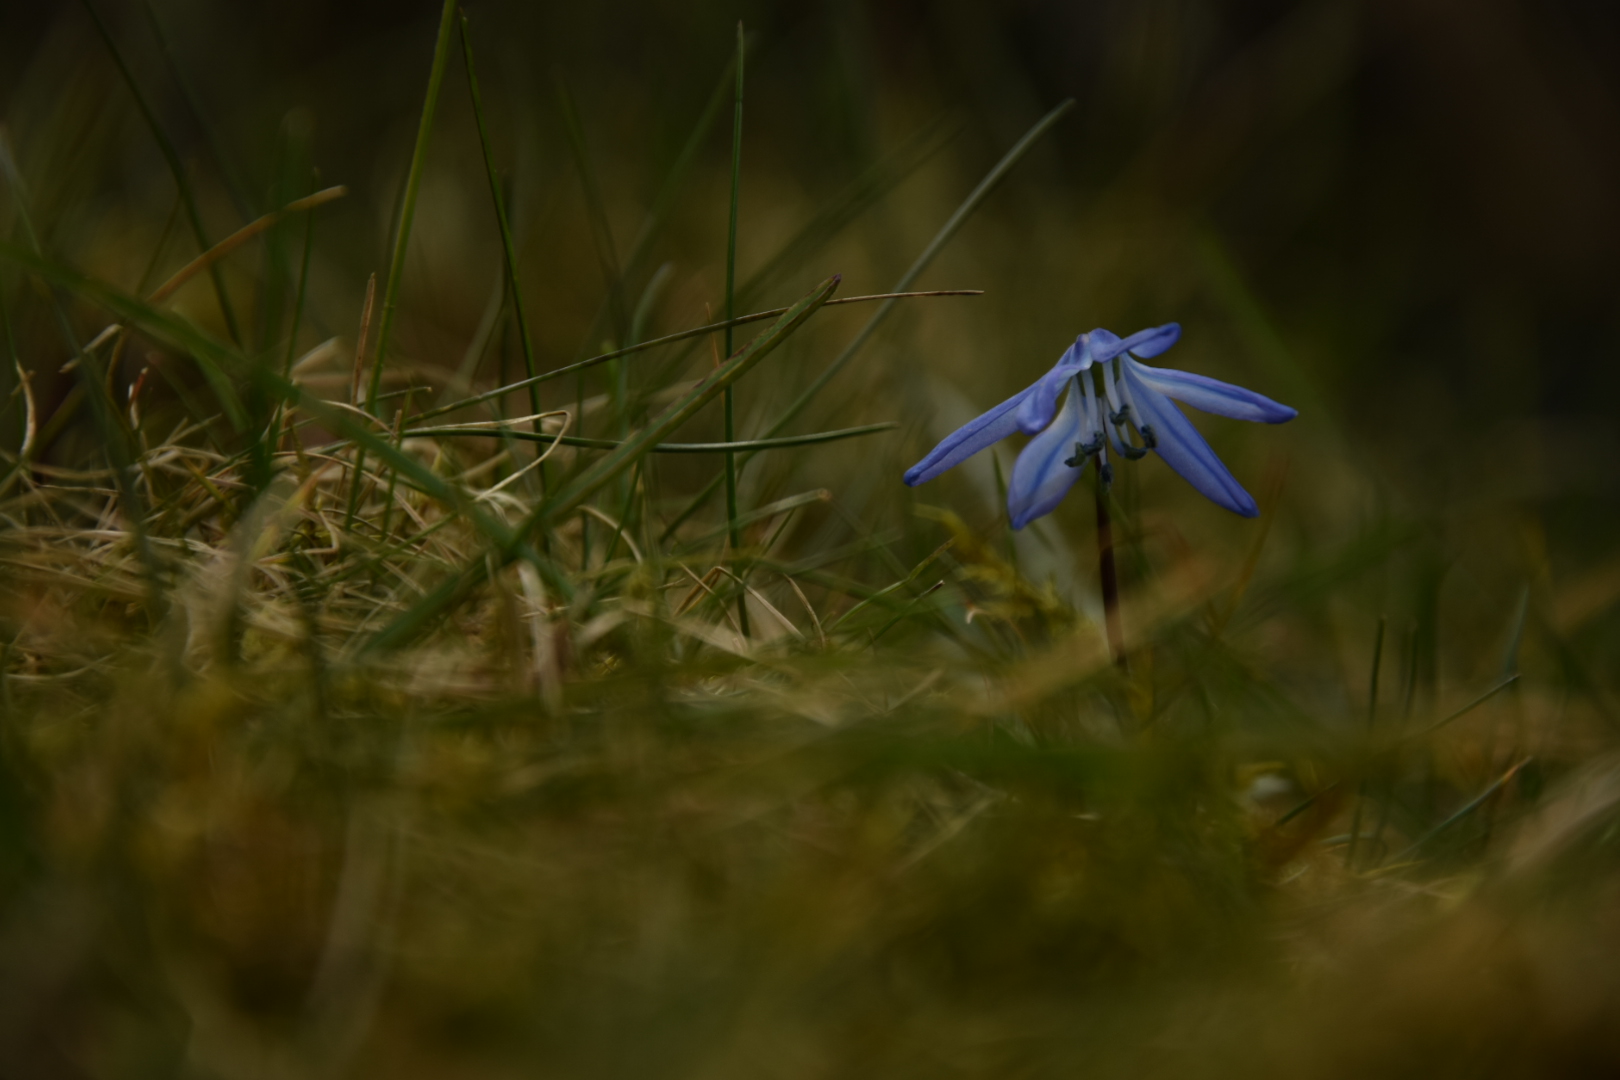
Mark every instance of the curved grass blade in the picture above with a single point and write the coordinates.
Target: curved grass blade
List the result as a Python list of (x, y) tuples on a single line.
[(207, 259)]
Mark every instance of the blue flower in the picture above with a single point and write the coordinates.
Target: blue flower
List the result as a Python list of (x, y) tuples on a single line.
[(1135, 397)]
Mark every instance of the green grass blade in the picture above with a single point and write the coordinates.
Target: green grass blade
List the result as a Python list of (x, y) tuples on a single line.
[(413, 187), (664, 202), (501, 218), (570, 497), (733, 531), (172, 158), (212, 357), (941, 238), (573, 495), (668, 339), (117, 441)]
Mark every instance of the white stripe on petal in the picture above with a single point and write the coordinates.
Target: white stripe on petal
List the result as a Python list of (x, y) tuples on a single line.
[(1212, 395), (1184, 449)]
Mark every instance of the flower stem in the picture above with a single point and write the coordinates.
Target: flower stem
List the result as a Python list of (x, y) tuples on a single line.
[(1109, 578)]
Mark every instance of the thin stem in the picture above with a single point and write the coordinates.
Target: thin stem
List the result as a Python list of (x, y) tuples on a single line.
[(1372, 715), (1109, 577), (733, 532)]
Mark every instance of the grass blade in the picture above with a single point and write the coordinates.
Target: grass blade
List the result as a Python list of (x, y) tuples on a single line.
[(213, 358), (413, 187), (572, 496), (670, 339), (732, 531), (952, 225), (586, 483), (750, 445)]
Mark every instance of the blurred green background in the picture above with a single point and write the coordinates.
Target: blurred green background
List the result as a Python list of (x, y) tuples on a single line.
[(1399, 216)]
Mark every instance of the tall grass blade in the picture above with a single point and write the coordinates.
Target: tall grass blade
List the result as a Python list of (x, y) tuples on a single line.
[(413, 187), (733, 532)]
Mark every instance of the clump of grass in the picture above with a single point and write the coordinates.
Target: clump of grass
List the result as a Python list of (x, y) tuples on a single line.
[(358, 721)]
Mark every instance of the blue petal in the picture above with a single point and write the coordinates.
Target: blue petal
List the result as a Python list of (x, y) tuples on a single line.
[(1212, 395), (1040, 477), (968, 440), (1149, 342), (1185, 451), (1036, 412)]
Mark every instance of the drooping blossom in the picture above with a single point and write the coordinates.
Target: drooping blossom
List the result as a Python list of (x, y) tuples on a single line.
[(1135, 398)]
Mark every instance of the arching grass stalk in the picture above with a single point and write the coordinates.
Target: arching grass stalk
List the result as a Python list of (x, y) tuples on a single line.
[(1107, 577)]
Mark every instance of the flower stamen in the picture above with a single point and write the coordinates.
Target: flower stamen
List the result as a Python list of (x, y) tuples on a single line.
[(1124, 415), (1092, 439)]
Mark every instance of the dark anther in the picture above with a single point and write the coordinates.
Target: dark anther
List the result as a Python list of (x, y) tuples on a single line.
[(1084, 450), (1148, 438)]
